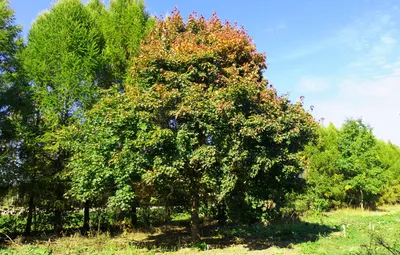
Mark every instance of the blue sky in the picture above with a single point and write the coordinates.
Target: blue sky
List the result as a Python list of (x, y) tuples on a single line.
[(343, 56)]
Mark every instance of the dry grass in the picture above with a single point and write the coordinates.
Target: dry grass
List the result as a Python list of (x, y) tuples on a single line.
[(380, 211), (121, 245)]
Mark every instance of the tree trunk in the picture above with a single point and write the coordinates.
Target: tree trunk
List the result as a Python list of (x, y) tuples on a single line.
[(361, 200), (31, 208), (194, 191), (59, 192), (194, 221), (221, 213), (134, 219), (31, 203), (86, 217), (35, 220), (167, 212), (57, 221), (58, 210)]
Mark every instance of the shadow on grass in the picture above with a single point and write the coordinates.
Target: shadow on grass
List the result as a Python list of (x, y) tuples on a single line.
[(253, 237), (176, 235)]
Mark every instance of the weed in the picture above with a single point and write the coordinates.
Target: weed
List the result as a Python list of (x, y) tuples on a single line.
[(202, 246)]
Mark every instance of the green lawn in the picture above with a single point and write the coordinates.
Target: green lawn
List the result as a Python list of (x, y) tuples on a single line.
[(314, 234)]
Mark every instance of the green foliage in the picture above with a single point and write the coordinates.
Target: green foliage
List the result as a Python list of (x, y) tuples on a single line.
[(378, 245), (201, 246), (303, 204), (359, 163), (196, 118), (107, 152), (323, 177), (27, 250), (10, 85), (14, 99), (107, 157), (389, 156), (123, 26), (350, 167), (62, 57), (13, 223)]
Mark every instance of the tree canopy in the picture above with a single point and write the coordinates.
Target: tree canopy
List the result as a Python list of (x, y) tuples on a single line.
[(202, 120), (351, 167)]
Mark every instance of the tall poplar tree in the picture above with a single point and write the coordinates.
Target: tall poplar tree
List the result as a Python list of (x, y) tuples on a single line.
[(63, 59)]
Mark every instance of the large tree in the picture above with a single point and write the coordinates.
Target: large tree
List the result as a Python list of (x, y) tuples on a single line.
[(213, 124), (63, 58)]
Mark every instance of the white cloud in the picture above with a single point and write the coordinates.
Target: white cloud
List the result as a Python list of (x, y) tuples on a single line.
[(370, 86), (388, 40), (376, 101), (305, 50), (278, 27), (313, 84), (281, 26), (372, 40)]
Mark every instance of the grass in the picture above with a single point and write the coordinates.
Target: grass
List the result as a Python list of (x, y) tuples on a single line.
[(314, 234), (361, 227)]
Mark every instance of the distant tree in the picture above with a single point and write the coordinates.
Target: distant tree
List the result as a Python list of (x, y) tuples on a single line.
[(389, 158), (324, 179), (359, 163), (351, 167), (63, 59)]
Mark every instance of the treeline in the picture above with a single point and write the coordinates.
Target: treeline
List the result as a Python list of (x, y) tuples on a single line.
[(105, 109), (350, 167)]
